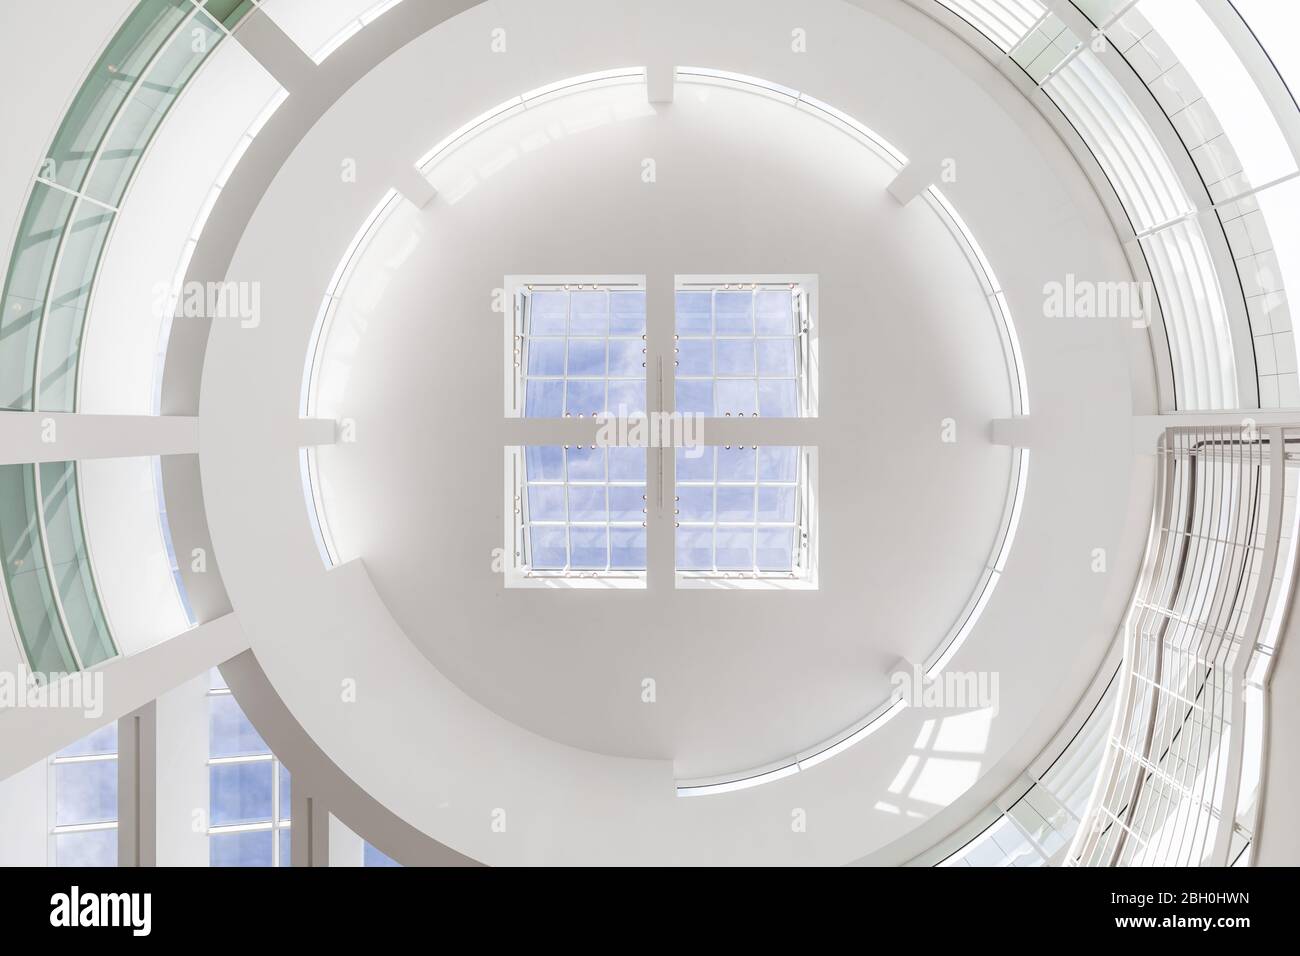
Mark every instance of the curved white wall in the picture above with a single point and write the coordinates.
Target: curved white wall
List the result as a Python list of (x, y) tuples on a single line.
[(459, 761)]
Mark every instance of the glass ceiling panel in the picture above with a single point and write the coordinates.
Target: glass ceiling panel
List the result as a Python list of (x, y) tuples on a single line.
[(26, 575), (111, 79), (739, 509), (70, 562), (28, 282), (70, 298), (584, 509), (1223, 80), (1004, 22), (738, 353), (137, 121), (584, 353)]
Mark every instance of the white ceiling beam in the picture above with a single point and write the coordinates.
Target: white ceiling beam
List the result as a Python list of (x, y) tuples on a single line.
[(275, 51), (125, 684), (912, 180), (27, 437), (415, 189)]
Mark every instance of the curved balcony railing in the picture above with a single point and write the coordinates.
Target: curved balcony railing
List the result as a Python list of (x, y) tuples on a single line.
[(1176, 786)]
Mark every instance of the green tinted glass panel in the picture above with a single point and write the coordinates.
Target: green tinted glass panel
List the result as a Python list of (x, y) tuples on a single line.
[(229, 12), (66, 317), (26, 576), (26, 285), (107, 86), (142, 114), (70, 563)]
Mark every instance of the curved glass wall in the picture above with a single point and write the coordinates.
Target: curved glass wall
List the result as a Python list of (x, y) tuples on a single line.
[(29, 587), (81, 184), (1217, 233), (50, 585), (48, 292)]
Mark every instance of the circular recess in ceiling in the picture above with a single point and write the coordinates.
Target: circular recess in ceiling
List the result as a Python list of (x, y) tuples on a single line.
[(911, 357)]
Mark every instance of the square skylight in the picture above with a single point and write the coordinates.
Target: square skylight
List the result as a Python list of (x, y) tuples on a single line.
[(744, 349), (583, 509), (579, 350), (742, 510)]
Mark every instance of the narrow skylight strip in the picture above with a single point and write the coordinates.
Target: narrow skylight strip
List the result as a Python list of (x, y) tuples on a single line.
[(786, 768), (882, 146), (521, 102), (351, 29), (1000, 307), (325, 315), (741, 783)]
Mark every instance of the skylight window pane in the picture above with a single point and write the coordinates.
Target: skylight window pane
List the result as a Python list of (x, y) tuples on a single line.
[(736, 357), (627, 313), (695, 398), (550, 548), (546, 502), (549, 313), (626, 464), (774, 312), (736, 398), (589, 313), (695, 464), (776, 503), (736, 503), (776, 357), (736, 464), (777, 399), (734, 313), (695, 313), (695, 503), (627, 548), (583, 351), (775, 548), (545, 400), (742, 349), (778, 463), (739, 511), (546, 357), (695, 548), (585, 509)]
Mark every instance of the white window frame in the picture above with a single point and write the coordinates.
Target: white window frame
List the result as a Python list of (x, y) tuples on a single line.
[(514, 563)]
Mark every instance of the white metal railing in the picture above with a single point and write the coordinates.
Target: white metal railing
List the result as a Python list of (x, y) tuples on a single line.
[(1167, 793)]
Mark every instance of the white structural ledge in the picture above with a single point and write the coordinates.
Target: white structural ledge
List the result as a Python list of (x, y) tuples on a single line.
[(61, 436), (28, 734)]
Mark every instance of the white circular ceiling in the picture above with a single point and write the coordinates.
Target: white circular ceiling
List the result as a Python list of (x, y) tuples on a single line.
[(744, 185)]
